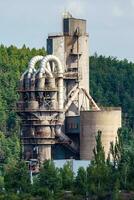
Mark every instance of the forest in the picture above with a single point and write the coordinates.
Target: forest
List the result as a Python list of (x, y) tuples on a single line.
[(111, 84)]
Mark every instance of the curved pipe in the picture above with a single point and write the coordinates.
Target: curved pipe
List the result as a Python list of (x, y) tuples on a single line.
[(32, 63), (44, 68), (56, 60), (48, 66), (31, 69)]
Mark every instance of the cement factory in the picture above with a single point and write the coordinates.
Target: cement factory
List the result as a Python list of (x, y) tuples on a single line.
[(59, 118)]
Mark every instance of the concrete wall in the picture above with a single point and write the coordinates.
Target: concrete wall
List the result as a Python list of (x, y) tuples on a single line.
[(108, 121)]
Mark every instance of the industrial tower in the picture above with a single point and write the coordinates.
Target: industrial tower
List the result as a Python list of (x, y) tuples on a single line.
[(53, 95)]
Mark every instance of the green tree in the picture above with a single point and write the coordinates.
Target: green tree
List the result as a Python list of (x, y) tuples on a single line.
[(13, 62), (9, 148), (80, 184), (1, 183), (67, 176), (17, 178), (49, 180), (98, 173)]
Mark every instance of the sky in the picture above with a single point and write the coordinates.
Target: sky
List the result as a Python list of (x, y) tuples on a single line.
[(110, 23)]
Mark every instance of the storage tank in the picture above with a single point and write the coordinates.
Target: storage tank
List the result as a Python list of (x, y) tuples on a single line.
[(107, 120)]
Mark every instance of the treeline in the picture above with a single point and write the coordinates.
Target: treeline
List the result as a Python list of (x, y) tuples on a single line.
[(111, 84), (13, 62), (101, 180)]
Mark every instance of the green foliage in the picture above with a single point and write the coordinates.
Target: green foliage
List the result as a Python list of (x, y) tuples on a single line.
[(67, 176), (13, 62), (49, 176), (1, 183), (111, 84), (80, 184), (9, 148), (124, 159), (49, 180), (98, 172), (17, 178)]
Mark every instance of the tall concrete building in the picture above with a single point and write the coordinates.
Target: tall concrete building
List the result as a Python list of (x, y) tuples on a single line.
[(71, 47), (53, 96)]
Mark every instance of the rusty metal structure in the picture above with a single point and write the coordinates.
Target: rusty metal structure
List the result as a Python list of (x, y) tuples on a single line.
[(53, 90)]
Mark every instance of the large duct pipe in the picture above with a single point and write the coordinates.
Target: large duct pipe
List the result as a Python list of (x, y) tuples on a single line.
[(31, 68), (43, 69), (48, 67), (58, 129), (65, 139), (29, 71), (32, 63), (40, 74), (62, 137), (60, 96), (32, 71), (56, 60)]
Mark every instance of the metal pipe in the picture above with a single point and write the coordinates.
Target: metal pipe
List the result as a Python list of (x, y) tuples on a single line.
[(32, 63), (43, 69), (60, 95), (48, 66), (55, 60), (64, 138), (30, 70)]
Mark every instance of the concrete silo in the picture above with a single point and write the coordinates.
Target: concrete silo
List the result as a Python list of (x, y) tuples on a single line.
[(107, 120)]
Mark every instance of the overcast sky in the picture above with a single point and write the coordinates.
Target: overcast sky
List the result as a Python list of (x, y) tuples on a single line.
[(110, 23)]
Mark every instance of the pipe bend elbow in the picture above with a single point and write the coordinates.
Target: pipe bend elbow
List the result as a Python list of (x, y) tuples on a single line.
[(54, 59), (33, 61)]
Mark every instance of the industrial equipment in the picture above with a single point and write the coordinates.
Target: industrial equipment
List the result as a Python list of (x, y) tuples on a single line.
[(53, 94)]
